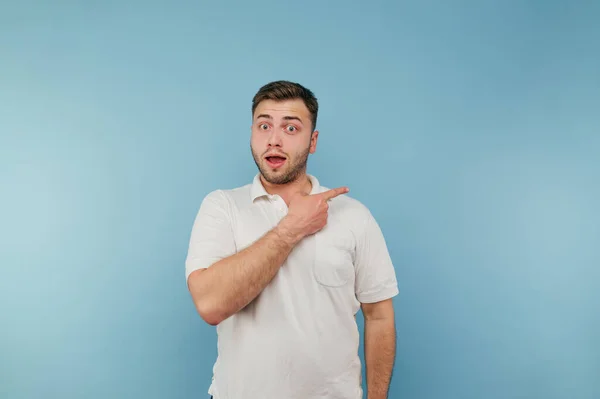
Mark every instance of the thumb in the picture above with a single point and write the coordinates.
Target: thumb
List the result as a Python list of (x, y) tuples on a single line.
[(299, 193)]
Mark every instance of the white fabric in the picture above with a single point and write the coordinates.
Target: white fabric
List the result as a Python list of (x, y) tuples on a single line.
[(298, 338)]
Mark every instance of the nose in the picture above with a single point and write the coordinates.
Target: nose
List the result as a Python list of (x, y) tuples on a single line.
[(274, 139)]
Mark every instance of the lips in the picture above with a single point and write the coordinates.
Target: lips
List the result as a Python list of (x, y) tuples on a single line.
[(275, 160)]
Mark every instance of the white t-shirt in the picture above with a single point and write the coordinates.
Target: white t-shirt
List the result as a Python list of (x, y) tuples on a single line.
[(299, 337)]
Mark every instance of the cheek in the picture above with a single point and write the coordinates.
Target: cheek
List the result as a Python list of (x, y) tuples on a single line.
[(255, 140)]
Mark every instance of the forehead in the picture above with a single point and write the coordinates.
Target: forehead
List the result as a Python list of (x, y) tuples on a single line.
[(275, 109)]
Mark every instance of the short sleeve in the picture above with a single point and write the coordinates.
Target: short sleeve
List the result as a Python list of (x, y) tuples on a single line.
[(212, 236), (375, 273)]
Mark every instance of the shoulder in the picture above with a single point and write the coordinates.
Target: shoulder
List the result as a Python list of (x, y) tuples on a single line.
[(228, 197), (349, 207)]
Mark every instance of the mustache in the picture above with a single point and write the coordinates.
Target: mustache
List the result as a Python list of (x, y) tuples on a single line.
[(275, 153)]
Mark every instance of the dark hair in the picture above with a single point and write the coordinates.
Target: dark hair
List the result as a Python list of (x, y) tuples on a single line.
[(284, 90)]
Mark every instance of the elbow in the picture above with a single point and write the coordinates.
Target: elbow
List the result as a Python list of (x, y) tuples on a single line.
[(204, 306), (209, 314), (209, 310), (207, 306)]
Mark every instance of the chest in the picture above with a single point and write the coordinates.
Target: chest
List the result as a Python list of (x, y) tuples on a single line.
[(326, 258)]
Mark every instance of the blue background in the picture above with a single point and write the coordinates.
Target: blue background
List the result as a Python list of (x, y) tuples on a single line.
[(470, 129)]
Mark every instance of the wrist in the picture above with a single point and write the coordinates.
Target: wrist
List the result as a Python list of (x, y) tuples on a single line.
[(287, 231)]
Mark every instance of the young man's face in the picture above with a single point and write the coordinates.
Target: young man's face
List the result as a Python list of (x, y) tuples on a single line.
[(281, 139)]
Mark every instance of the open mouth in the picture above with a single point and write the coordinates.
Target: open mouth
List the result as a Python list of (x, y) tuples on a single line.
[(275, 161)]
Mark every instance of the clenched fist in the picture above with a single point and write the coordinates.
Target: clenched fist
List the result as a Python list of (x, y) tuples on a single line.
[(307, 213)]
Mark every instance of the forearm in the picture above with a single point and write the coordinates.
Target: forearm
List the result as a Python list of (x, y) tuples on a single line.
[(380, 353), (232, 283)]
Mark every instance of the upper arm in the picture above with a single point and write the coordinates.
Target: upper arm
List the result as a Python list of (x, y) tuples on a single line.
[(212, 236), (378, 310), (375, 273)]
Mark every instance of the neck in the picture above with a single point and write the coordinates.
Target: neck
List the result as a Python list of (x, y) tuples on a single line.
[(286, 191)]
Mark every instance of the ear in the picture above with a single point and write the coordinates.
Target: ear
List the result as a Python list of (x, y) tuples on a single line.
[(313, 141)]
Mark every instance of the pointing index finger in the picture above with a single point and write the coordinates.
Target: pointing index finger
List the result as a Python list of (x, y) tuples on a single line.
[(334, 192)]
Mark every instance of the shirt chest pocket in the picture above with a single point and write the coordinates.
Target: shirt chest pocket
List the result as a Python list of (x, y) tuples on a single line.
[(334, 260)]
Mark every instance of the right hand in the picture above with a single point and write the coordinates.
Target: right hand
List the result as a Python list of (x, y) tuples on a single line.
[(307, 213)]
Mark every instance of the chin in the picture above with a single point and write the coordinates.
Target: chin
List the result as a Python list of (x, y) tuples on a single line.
[(279, 177)]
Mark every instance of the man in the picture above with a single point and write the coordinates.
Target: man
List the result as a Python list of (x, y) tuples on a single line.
[(282, 265)]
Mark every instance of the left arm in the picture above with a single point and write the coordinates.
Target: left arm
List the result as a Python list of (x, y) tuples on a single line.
[(375, 286), (380, 347)]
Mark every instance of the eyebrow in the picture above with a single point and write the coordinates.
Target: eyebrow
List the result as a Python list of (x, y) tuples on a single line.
[(287, 118)]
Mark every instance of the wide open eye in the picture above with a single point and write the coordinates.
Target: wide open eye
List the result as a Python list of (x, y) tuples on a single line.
[(291, 129)]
